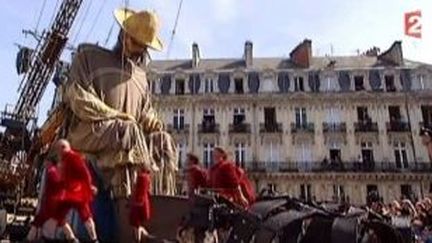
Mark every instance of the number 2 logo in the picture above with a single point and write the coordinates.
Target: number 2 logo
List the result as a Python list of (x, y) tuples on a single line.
[(413, 25)]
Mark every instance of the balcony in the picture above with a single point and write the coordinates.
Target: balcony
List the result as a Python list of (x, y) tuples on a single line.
[(270, 127), (178, 129), (240, 128), (334, 127), (398, 126), (302, 127), (355, 167), (366, 126), (425, 124), (208, 128)]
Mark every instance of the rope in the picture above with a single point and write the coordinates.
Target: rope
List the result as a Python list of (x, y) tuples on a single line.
[(174, 29), (40, 15), (95, 20)]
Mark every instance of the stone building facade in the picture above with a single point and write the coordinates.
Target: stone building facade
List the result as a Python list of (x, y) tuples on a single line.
[(324, 128)]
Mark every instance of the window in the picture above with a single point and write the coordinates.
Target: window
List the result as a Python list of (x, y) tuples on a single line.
[(269, 116), (298, 83), (406, 191), (400, 155), (394, 113), (338, 193), (333, 115), (301, 119), (367, 155), (180, 86), (371, 189), (427, 114), (362, 113), (358, 83), (306, 192), (238, 86), (208, 154), (178, 119), (240, 154), (335, 155), (239, 116), (208, 86), (182, 155), (272, 156), (208, 118), (389, 83), (304, 156)]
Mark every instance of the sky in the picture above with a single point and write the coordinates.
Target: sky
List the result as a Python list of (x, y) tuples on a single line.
[(220, 27)]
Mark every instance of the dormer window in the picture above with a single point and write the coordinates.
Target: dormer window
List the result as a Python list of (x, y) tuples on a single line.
[(298, 83), (238, 86), (180, 86), (389, 83), (359, 83)]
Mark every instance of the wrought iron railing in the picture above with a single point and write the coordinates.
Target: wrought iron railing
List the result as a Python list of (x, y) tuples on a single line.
[(366, 126), (319, 166)]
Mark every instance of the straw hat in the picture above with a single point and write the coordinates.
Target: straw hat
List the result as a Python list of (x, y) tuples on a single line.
[(142, 26)]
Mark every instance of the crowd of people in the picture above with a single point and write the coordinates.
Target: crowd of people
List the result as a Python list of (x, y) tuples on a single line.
[(412, 218)]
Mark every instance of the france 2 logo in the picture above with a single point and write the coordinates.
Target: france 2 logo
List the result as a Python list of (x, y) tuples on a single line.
[(413, 25)]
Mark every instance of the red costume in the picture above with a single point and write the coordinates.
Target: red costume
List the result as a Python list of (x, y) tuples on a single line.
[(246, 186), (224, 178), (140, 210), (196, 178), (50, 198), (77, 182)]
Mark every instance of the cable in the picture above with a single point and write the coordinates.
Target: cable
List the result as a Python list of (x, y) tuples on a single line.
[(95, 20), (174, 29), (40, 15), (82, 23), (54, 12), (109, 33)]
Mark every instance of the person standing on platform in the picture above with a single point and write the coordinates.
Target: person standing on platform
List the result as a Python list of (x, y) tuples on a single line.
[(78, 190), (140, 205), (224, 178), (197, 176)]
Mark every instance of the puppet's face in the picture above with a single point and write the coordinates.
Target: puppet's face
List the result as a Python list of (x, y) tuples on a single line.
[(132, 48)]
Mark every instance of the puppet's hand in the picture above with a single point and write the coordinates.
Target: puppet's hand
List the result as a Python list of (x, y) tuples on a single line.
[(94, 190)]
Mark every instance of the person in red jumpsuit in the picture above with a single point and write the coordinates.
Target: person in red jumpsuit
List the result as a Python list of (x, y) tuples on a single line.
[(246, 186), (78, 190), (196, 175), (51, 194), (140, 205), (224, 179)]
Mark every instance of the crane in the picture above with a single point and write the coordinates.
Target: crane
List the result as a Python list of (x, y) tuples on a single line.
[(17, 141)]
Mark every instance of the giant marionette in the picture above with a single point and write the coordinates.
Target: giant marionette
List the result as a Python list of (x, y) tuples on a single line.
[(111, 115)]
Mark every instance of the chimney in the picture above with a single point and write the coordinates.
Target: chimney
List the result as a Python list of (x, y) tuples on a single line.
[(302, 54), (195, 55), (393, 55), (248, 53)]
